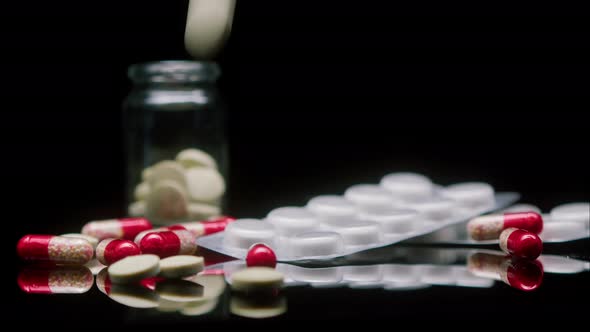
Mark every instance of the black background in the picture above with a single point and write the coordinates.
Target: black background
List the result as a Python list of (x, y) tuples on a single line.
[(322, 95)]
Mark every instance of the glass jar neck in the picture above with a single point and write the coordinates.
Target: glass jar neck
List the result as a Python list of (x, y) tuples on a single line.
[(174, 74)]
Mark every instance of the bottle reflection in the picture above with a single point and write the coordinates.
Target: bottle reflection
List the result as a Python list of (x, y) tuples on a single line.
[(522, 274), (55, 280)]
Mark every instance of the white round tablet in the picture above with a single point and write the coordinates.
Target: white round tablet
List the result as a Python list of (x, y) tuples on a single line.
[(180, 266), (257, 278), (179, 290), (243, 233), (358, 232), (213, 285), (331, 208), (204, 184), (91, 239), (167, 202), (134, 268), (435, 208), (577, 212), (208, 25), (407, 185), (290, 221), (166, 170), (471, 195), (190, 158), (314, 244), (392, 220), (369, 195)]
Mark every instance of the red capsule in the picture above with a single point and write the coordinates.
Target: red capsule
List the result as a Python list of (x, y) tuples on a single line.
[(109, 251), (261, 255), (197, 228), (57, 280), (489, 227), (522, 274), (126, 228), (168, 243), (55, 249), (521, 243)]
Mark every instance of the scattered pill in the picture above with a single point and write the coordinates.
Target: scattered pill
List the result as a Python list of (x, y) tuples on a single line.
[(209, 226), (522, 274), (167, 202), (91, 239), (56, 280), (191, 158), (109, 251), (489, 227), (254, 278), (134, 268), (521, 243), (179, 290), (141, 191), (204, 184), (126, 228), (261, 255), (208, 25), (56, 249), (140, 236), (168, 243), (408, 186), (180, 266)]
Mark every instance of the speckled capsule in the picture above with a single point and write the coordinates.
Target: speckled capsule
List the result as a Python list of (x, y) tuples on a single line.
[(56, 280), (168, 243), (489, 227), (197, 228), (521, 243), (109, 251), (55, 249), (522, 274), (126, 228)]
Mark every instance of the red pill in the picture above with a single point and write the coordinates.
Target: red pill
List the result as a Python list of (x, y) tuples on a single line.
[(197, 228), (522, 274), (126, 228), (55, 249), (109, 251), (168, 243), (521, 243), (489, 227), (56, 280), (261, 255)]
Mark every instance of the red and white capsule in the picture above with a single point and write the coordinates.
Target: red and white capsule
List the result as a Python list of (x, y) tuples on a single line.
[(197, 228), (56, 280), (109, 251), (489, 227), (522, 274), (126, 228), (521, 243), (55, 249), (168, 243)]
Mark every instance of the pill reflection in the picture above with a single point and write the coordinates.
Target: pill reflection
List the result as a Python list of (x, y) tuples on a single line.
[(259, 305), (522, 274), (55, 280)]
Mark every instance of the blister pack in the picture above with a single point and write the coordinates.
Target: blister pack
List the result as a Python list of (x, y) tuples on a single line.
[(402, 206)]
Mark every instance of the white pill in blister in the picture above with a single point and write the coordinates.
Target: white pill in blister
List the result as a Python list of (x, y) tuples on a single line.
[(142, 191), (358, 232), (407, 186), (136, 209), (331, 208), (369, 195), (180, 266), (166, 170), (167, 202), (436, 209), (134, 268), (362, 273), (522, 207), (204, 184), (401, 273), (290, 221), (578, 212), (190, 158), (315, 244), (243, 233), (563, 231), (208, 25), (471, 195), (324, 275), (257, 278), (392, 220), (438, 275)]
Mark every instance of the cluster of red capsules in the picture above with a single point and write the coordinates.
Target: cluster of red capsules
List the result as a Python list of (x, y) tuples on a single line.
[(518, 237), (112, 240)]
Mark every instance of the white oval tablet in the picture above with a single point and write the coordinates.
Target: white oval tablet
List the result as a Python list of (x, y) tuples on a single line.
[(179, 290), (91, 239), (471, 195), (314, 244), (290, 221), (392, 220), (331, 208), (407, 186), (243, 233), (577, 212), (181, 266), (369, 195), (141, 191), (257, 278), (166, 170), (134, 268), (208, 25), (167, 202), (204, 184), (190, 158)]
